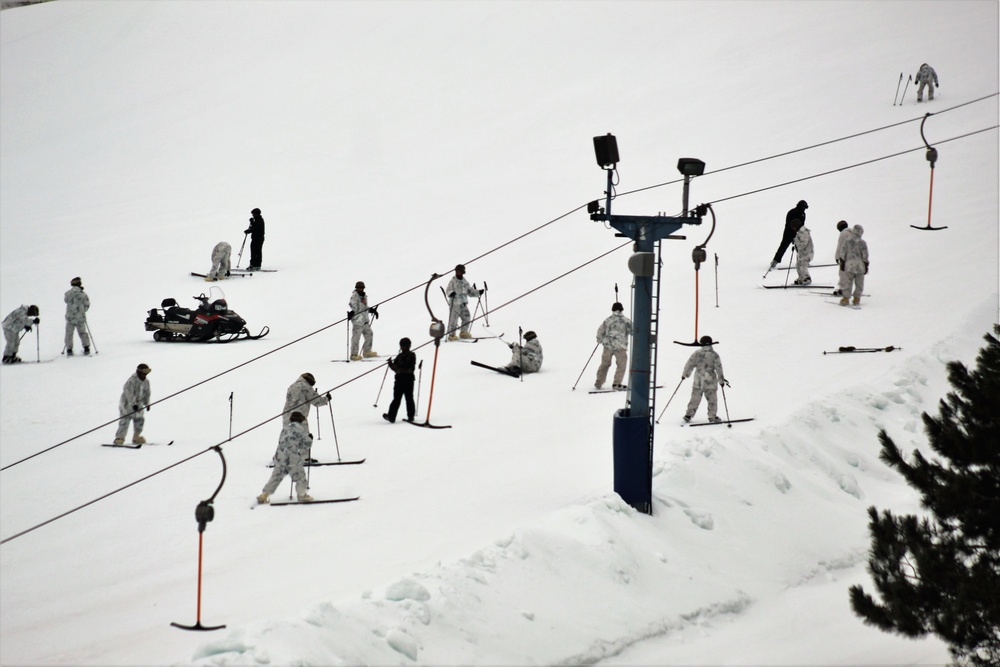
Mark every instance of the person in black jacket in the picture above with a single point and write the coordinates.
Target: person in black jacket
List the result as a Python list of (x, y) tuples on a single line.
[(256, 231), (797, 213), (404, 366)]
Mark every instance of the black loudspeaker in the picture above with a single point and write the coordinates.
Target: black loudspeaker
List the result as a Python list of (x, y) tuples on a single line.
[(606, 150)]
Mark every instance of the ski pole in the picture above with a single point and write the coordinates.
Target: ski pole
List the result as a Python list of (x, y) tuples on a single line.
[(240, 257), (669, 399), (520, 354), (898, 84), (230, 415), (585, 365), (38, 353), (333, 425), (722, 386), (486, 305), (908, 79), (420, 379), (716, 280), (381, 385), (791, 257), (90, 334), (319, 424), (475, 312)]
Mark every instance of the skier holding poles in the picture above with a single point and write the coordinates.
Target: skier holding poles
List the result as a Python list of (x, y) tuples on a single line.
[(77, 305), (706, 366), (614, 334), (19, 318), (293, 449), (403, 366), (300, 395), (525, 358), (361, 323), (457, 294)]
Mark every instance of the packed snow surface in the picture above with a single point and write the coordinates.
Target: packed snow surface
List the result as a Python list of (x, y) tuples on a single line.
[(386, 142)]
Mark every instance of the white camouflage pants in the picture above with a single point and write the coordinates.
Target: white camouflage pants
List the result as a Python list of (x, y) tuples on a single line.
[(459, 311), (138, 420), (79, 328), (287, 463), (357, 332), (847, 278), (711, 394)]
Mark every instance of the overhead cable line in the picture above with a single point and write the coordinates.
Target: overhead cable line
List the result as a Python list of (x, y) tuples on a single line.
[(260, 424), (539, 228)]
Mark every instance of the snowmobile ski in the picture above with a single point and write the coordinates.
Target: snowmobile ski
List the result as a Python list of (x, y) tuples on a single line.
[(724, 421), (502, 371), (133, 445), (847, 349), (313, 502)]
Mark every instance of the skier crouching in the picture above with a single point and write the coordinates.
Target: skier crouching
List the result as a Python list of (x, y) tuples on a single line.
[(294, 444), (708, 377), (19, 318)]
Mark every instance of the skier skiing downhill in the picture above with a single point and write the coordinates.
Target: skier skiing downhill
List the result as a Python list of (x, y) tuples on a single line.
[(77, 305), (220, 262), (804, 253), (797, 213), (132, 406), (525, 358), (458, 292), (613, 334), (361, 323), (706, 366), (300, 395), (293, 449), (19, 318), (926, 78), (853, 261)]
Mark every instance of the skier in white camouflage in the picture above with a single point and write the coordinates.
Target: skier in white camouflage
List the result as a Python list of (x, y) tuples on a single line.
[(613, 334), (804, 253), (300, 395), (706, 366), (77, 305), (459, 290), (361, 323), (20, 318), (220, 262), (926, 78), (294, 444), (132, 406), (525, 358), (843, 232), (853, 261)]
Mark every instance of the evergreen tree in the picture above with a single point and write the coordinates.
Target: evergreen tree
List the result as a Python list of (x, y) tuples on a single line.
[(940, 573)]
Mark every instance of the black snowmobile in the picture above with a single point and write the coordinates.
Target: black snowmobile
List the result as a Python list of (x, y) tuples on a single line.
[(210, 322)]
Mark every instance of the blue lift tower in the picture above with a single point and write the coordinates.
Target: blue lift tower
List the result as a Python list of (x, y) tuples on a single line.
[(634, 425)]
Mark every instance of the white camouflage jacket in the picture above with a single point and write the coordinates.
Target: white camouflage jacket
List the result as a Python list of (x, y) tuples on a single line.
[(707, 368), (77, 304), (615, 331)]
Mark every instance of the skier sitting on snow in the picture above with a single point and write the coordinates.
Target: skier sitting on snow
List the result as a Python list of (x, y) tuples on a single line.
[(293, 448), (300, 395), (708, 377), (458, 292), (132, 406), (77, 305), (853, 260), (19, 318), (220, 262), (525, 358), (613, 334), (804, 249)]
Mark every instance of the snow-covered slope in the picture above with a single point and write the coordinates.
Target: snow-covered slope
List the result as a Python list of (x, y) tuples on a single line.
[(386, 142)]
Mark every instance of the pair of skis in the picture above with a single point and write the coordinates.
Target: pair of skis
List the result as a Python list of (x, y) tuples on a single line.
[(727, 422), (849, 349), (135, 445)]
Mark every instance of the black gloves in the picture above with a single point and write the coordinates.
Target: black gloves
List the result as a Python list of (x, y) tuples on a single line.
[(27, 327), (350, 314), (135, 408), (247, 231), (328, 397), (451, 296), (374, 310), (36, 320)]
